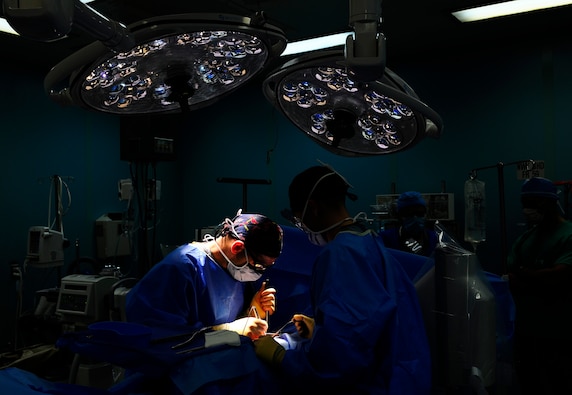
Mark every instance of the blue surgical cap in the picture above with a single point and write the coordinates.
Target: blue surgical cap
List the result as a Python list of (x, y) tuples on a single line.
[(260, 234), (411, 198), (539, 187)]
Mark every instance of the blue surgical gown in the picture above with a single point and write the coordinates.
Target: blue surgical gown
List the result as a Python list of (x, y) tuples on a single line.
[(369, 336), (185, 289)]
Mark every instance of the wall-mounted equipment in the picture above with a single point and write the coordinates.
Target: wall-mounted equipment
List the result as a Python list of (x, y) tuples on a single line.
[(112, 236), (149, 138), (45, 246), (440, 206), (125, 189)]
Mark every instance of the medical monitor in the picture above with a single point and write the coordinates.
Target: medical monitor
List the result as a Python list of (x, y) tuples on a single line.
[(85, 298), (45, 246)]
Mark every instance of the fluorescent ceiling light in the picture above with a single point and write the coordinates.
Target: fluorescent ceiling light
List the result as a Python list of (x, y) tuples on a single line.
[(506, 8), (6, 28), (314, 44)]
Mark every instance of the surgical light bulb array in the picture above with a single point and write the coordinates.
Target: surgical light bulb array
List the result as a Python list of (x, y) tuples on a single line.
[(166, 73), (377, 122)]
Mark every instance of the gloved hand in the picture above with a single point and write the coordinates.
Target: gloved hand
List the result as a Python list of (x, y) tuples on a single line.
[(248, 326), (264, 300), (268, 350), (304, 325)]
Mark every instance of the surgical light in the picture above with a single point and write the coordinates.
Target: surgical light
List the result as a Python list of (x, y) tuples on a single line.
[(179, 63), (324, 99), (348, 101)]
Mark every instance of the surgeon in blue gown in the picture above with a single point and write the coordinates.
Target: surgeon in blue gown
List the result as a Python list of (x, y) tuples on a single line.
[(366, 335), (203, 284)]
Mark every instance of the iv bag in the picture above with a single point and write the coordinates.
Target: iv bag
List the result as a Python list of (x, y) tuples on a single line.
[(475, 231)]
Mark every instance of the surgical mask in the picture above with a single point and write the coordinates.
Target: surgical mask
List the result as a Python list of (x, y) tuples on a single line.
[(413, 225), (240, 273), (319, 238), (533, 216)]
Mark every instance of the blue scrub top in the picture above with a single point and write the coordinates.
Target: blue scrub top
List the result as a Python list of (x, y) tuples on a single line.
[(369, 335), (187, 288)]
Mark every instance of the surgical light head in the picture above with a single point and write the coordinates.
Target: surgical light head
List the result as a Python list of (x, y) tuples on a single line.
[(178, 63), (348, 101)]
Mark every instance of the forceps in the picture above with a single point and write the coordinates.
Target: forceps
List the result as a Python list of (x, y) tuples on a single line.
[(279, 330)]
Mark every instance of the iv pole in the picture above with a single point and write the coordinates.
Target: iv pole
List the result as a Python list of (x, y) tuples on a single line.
[(500, 174), (245, 182)]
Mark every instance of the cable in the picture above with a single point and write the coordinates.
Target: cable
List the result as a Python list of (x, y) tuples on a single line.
[(156, 212), (17, 275), (56, 188)]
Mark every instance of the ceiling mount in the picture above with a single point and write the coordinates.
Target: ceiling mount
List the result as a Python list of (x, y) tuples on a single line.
[(365, 50)]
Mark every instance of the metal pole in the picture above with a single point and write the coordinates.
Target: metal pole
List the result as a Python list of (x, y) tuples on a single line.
[(504, 244), (500, 171), (244, 182)]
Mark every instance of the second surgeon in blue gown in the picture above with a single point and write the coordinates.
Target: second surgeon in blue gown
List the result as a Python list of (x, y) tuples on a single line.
[(367, 333), (202, 284)]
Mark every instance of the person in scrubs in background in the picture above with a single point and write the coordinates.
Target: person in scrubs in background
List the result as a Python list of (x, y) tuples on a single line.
[(412, 234), (367, 333), (203, 284), (540, 279)]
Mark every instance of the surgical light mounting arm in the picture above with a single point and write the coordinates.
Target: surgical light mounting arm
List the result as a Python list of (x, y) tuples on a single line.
[(51, 20), (365, 53)]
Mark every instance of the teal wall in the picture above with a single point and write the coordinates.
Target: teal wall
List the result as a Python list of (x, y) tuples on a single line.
[(498, 107)]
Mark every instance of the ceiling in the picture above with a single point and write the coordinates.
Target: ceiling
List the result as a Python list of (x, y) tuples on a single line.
[(413, 28)]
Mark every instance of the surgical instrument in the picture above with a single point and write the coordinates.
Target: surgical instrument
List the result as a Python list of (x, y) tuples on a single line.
[(190, 339), (267, 315), (279, 330)]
